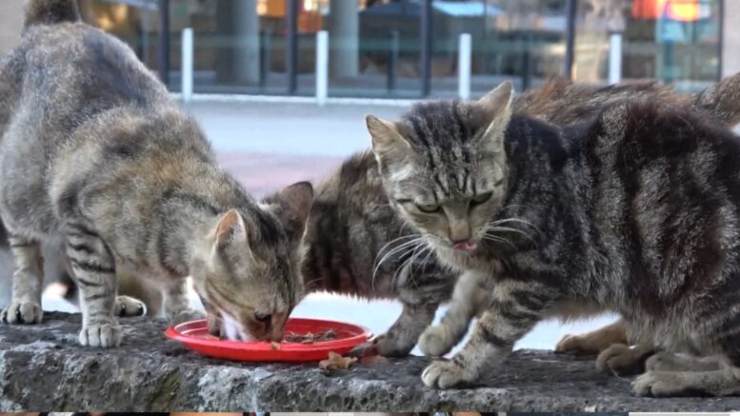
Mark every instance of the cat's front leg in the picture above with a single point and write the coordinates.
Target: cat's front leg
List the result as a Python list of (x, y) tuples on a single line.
[(401, 337), (28, 276), (93, 269), (472, 295), (176, 303), (515, 308)]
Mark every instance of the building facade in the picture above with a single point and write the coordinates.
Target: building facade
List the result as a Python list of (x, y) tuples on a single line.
[(409, 48)]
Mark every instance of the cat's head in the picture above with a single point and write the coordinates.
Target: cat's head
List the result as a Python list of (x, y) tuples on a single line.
[(248, 268), (443, 166)]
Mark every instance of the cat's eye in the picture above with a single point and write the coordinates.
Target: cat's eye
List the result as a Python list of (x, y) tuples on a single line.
[(262, 317), (428, 208), (482, 198)]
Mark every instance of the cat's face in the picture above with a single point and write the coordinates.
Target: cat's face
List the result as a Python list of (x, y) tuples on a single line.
[(444, 168), (249, 265)]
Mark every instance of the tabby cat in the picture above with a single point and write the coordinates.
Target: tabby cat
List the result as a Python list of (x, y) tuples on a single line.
[(635, 210), (93, 150), (358, 245), (720, 101)]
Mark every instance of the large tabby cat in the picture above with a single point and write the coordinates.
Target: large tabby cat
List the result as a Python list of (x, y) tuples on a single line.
[(635, 210), (93, 150), (357, 244)]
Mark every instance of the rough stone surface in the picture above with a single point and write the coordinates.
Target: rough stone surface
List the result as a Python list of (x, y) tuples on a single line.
[(42, 368)]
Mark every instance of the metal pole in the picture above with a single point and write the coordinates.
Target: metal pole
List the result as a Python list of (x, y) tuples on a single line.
[(187, 65), (322, 66), (721, 43), (426, 47), (265, 57), (395, 47), (615, 58), (570, 37), (291, 51), (164, 41), (464, 58)]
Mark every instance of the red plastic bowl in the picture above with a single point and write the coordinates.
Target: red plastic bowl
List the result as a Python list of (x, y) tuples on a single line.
[(194, 335)]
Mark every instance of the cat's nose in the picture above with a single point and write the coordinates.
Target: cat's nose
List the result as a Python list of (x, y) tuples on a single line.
[(459, 231)]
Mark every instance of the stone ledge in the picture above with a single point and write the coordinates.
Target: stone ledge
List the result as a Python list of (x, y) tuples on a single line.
[(42, 368)]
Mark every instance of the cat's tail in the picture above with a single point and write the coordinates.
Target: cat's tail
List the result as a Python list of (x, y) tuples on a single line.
[(49, 12), (722, 99)]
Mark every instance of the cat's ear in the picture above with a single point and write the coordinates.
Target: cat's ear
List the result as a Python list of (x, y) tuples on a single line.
[(498, 100), (387, 141), (294, 206), (230, 229), (496, 110)]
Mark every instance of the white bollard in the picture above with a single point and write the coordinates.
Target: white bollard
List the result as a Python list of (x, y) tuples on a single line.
[(322, 66), (464, 59), (615, 58), (187, 64)]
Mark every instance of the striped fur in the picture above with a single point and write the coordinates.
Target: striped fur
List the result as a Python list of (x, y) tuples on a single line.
[(93, 150), (634, 210), (720, 100), (358, 245)]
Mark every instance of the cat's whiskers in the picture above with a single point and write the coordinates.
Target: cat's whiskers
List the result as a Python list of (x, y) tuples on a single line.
[(515, 220), (398, 249), (497, 239), (409, 262), (389, 244), (523, 233), (401, 248), (492, 231)]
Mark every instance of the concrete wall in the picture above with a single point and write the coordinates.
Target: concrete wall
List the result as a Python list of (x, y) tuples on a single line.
[(11, 21), (731, 38)]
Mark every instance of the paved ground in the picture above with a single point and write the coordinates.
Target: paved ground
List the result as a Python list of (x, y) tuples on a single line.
[(270, 145), (43, 367)]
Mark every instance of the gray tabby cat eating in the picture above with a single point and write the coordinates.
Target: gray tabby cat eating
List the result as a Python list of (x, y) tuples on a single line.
[(635, 210), (94, 150)]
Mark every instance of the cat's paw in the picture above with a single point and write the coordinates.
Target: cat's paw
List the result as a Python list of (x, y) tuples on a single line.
[(127, 306), (446, 374), (664, 361), (576, 344), (436, 341), (366, 349), (185, 315), (384, 345), (105, 334), (621, 360), (659, 384), (669, 361), (22, 313)]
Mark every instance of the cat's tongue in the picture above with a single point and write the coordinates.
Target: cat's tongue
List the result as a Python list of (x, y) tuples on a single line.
[(466, 246)]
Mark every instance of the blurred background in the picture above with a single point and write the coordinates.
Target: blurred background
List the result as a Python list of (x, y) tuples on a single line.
[(409, 48), (281, 104)]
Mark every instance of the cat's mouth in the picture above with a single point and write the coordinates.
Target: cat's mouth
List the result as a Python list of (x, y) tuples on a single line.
[(468, 246)]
